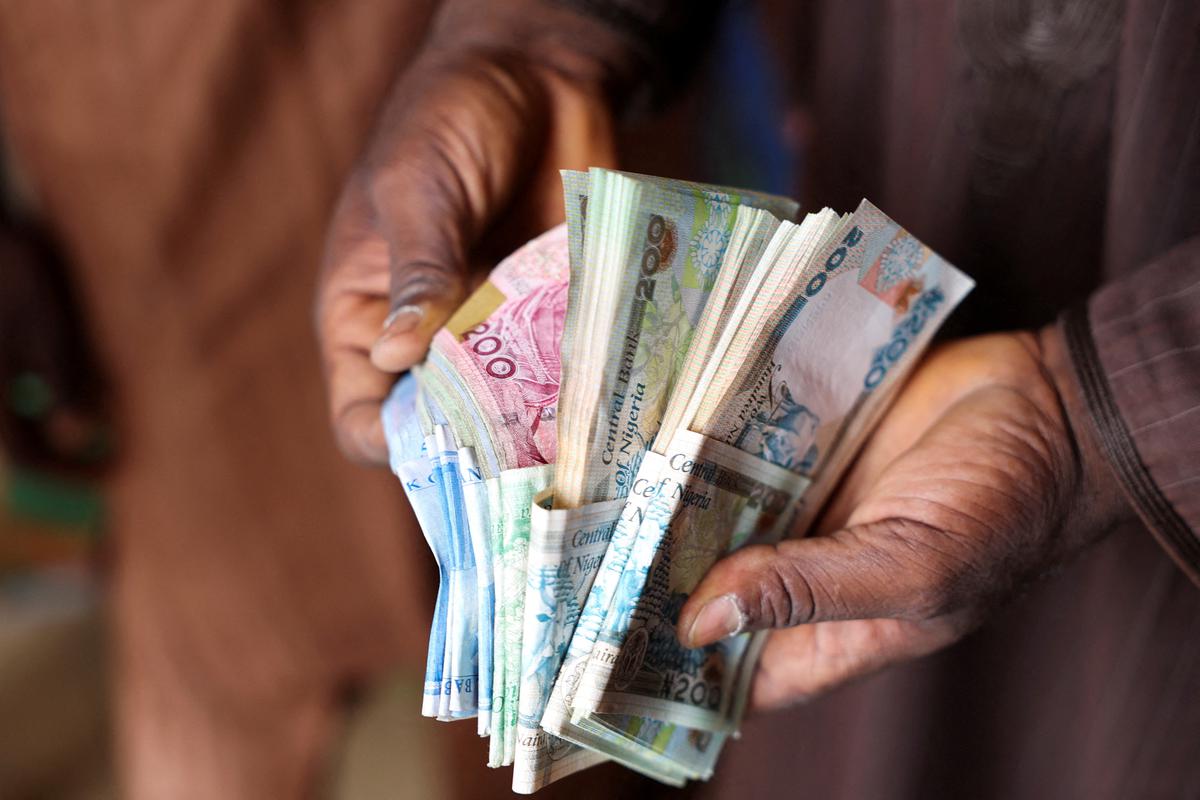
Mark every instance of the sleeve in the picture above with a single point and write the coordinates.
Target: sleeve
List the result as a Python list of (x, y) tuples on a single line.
[(1135, 349)]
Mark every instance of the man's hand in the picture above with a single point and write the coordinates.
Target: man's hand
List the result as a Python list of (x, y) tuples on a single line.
[(974, 484), (463, 168)]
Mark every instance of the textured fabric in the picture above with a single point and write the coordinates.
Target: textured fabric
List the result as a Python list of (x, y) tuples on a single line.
[(1144, 393)]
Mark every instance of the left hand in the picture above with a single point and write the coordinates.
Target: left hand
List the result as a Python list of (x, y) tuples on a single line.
[(974, 484)]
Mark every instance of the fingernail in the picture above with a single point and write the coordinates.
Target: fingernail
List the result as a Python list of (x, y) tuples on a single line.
[(402, 320), (720, 617)]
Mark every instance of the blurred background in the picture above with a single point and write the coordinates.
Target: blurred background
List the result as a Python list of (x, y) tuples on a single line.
[(167, 475)]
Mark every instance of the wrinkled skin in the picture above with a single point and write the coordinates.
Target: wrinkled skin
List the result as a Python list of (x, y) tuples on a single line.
[(463, 168), (972, 486)]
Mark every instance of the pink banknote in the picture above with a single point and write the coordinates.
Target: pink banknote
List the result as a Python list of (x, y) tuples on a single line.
[(504, 343)]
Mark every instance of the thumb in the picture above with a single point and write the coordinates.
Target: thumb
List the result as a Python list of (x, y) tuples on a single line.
[(880, 569)]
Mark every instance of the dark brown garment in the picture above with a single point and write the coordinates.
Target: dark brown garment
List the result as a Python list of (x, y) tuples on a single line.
[(1143, 386), (1045, 147), (1052, 150)]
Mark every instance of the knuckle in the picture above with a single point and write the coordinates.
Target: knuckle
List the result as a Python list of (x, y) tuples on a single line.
[(931, 560), (788, 596), (934, 596), (343, 436), (421, 279), (348, 429), (346, 441), (398, 178)]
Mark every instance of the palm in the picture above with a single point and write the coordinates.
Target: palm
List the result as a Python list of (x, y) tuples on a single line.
[(951, 494)]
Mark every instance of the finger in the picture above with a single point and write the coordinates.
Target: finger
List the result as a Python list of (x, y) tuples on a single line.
[(427, 247), (356, 387), (441, 179), (352, 305), (580, 136), (880, 569), (801, 663)]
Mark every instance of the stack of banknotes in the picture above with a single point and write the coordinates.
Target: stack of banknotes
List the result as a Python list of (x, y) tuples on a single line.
[(675, 373)]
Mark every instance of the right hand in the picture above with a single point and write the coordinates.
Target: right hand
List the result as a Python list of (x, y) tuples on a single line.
[(462, 169), (982, 476)]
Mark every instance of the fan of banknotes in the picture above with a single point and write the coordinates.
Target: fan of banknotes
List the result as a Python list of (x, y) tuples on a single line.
[(675, 373)]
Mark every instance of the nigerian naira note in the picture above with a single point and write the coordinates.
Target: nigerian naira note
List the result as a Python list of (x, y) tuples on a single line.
[(798, 407)]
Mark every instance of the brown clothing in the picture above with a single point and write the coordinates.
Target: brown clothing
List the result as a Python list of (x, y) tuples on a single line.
[(1051, 150), (189, 154), (1144, 390), (1045, 150)]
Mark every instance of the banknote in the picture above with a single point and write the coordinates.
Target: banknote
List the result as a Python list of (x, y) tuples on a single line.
[(671, 752), (576, 196), (652, 249), (411, 461), (444, 398), (503, 344), (517, 490), (714, 336), (556, 717), (461, 678), (659, 324), (403, 428), (421, 479), (499, 522), (753, 232), (739, 258), (661, 750), (705, 499), (795, 408), (492, 377), (474, 488), (565, 550)]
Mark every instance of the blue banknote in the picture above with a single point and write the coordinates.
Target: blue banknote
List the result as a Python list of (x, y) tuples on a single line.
[(410, 457), (475, 497), (461, 680)]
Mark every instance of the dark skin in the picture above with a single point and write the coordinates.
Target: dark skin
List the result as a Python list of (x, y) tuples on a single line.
[(462, 169), (975, 484), (978, 480)]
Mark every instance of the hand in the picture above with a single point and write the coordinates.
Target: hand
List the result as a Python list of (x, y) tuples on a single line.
[(974, 484), (463, 168)]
